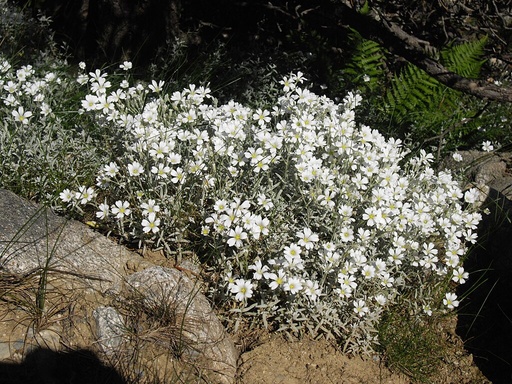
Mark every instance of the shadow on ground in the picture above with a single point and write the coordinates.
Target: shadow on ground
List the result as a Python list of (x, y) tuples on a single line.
[(43, 366), (485, 319)]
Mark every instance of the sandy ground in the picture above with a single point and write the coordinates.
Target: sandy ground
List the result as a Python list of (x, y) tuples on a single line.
[(278, 361)]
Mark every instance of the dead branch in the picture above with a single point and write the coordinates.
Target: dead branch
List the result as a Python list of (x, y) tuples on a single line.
[(421, 53)]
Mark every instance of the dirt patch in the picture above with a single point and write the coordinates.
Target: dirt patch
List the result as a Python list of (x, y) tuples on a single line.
[(280, 361), (276, 360), (148, 352)]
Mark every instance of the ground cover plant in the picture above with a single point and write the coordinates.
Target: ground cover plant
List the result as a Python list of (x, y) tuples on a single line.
[(40, 132), (305, 220), (312, 223)]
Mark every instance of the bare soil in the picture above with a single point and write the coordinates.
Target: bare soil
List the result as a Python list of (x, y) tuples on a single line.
[(280, 361)]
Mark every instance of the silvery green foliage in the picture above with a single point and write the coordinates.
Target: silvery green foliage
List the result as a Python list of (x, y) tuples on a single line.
[(43, 144), (314, 223)]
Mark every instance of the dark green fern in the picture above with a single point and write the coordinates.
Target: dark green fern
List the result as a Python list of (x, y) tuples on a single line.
[(413, 92), (427, 111), (368, 59), (465, 59), (411, 103)]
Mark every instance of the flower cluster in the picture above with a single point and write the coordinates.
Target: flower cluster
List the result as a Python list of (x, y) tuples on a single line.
[(314, 222), (23, 84), (39, 132)]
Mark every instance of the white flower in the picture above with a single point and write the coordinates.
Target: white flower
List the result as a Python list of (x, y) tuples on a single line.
[(312, 289), (135, 169), (159, 150), (387, 280), (371, 215), (344, 291), (457, 157), (103, 212), (11, 87), (242, 288), (96, 75), (265, 202), (66, 195), (307, 238), (121, 209), (149, 207), (84, 194), (360, 308), (472, 196), (151, 223), (126, 66), (261, 226), (293, 284), (205, 230), (459, 275), (156, 87), (111, 169), (230, 279), (368, 271), (259, 269), (90, 103), (255, 155), (450, 300), (174, 158), (487, 146), (45, 109), (261, 116), (220, 206), (236, 237), (347, 234), (278, 279), (292, 250), (82, 79), (381, 299), (178, 175), (293, 262), (347, 280), (21, 115), (161, 171)]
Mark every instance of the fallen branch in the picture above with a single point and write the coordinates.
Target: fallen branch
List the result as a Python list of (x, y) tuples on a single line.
[(421, 53)]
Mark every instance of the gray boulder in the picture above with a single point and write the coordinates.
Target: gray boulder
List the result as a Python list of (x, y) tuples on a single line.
[(493, 170)]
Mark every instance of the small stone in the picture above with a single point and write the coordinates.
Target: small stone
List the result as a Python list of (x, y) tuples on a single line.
[(18, 345), (109, 328), (48, 338), (5, 350)]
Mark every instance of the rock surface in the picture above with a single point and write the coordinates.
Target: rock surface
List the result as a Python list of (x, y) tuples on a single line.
[(485, 169), (485, 322), (80, 289), (202, 333)]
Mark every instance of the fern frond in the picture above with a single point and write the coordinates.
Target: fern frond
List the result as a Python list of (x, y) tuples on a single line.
[(413, 90), (414, 93), (367, 59), (465, 59)]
